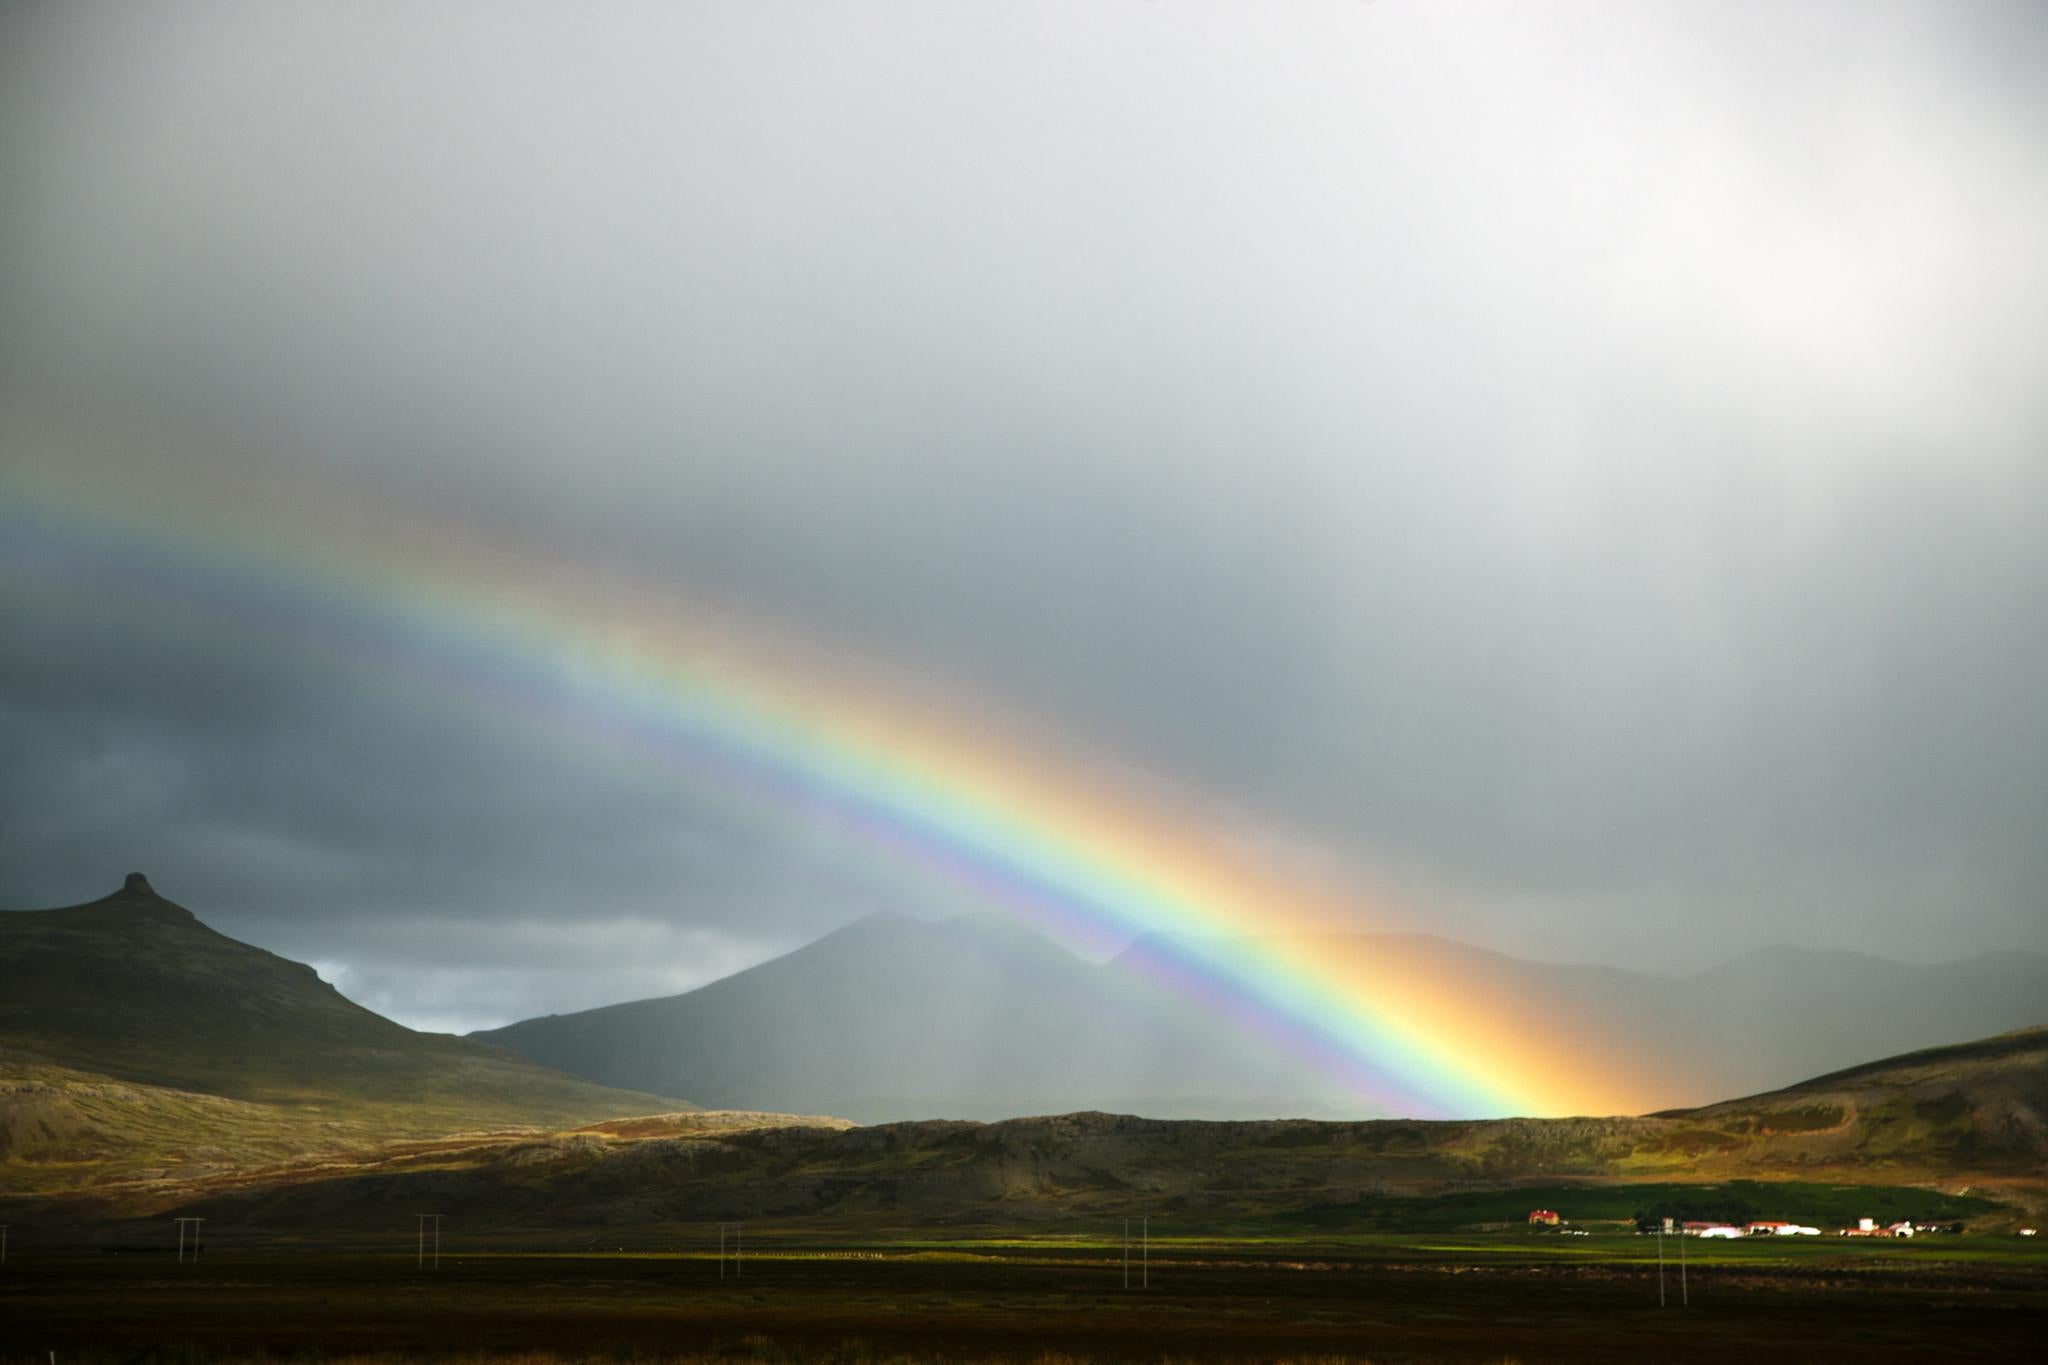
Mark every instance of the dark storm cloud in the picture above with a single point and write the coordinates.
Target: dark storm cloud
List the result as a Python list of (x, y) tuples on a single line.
[(1579, 464)]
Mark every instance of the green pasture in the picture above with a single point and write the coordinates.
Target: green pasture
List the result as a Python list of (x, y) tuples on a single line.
[(804, 1294), (1825, 1206)]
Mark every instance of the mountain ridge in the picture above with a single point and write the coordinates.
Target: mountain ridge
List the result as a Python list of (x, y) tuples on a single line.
[(889, 1016)]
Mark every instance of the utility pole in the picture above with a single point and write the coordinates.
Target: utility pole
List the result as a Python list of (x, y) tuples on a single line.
[(1127, 1253), (738, 1229), (195, 1222), (1660, 1265), (1684, 1297), (1145, 1252), (423, 1217)]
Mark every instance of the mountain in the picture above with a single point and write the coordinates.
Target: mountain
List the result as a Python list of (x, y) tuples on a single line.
[(132, 1033), (895, 1018)]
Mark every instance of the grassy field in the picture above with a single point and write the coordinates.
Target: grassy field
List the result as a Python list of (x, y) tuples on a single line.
[(799, 1294)]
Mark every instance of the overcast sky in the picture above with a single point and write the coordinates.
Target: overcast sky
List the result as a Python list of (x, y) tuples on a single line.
[(1581, 468)]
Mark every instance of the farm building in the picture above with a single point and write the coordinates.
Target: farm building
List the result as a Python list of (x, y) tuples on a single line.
[(1867, 1227)]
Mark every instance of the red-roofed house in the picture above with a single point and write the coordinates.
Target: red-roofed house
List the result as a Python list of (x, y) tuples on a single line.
[(1545, 1217)]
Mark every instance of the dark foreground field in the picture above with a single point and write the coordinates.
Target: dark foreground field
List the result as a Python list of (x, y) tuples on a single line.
[(1380, 1298)]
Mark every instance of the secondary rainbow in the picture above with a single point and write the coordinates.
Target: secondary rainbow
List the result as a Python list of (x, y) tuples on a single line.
[(623, 672)]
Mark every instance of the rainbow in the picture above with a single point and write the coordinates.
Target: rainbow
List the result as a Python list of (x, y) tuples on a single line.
[(611, 668)]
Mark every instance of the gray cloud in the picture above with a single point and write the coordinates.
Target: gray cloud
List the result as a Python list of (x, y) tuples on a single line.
[(1578, 464)]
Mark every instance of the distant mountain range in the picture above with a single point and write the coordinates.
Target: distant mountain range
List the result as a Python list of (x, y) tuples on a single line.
[(889, 1018), (895, 1018), (131, 1034)]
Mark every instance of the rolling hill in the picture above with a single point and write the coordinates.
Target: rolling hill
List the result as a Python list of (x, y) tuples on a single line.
[(1952, 1134), (895, 1018), (1977, 1106), (133, 1037)]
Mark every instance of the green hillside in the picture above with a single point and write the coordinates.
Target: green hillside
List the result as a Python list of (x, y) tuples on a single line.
[(1824, 1153), (1978, 1106)]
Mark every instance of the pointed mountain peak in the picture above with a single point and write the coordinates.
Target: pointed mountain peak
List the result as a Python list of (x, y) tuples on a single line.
[(137, 899), (876, 924)]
